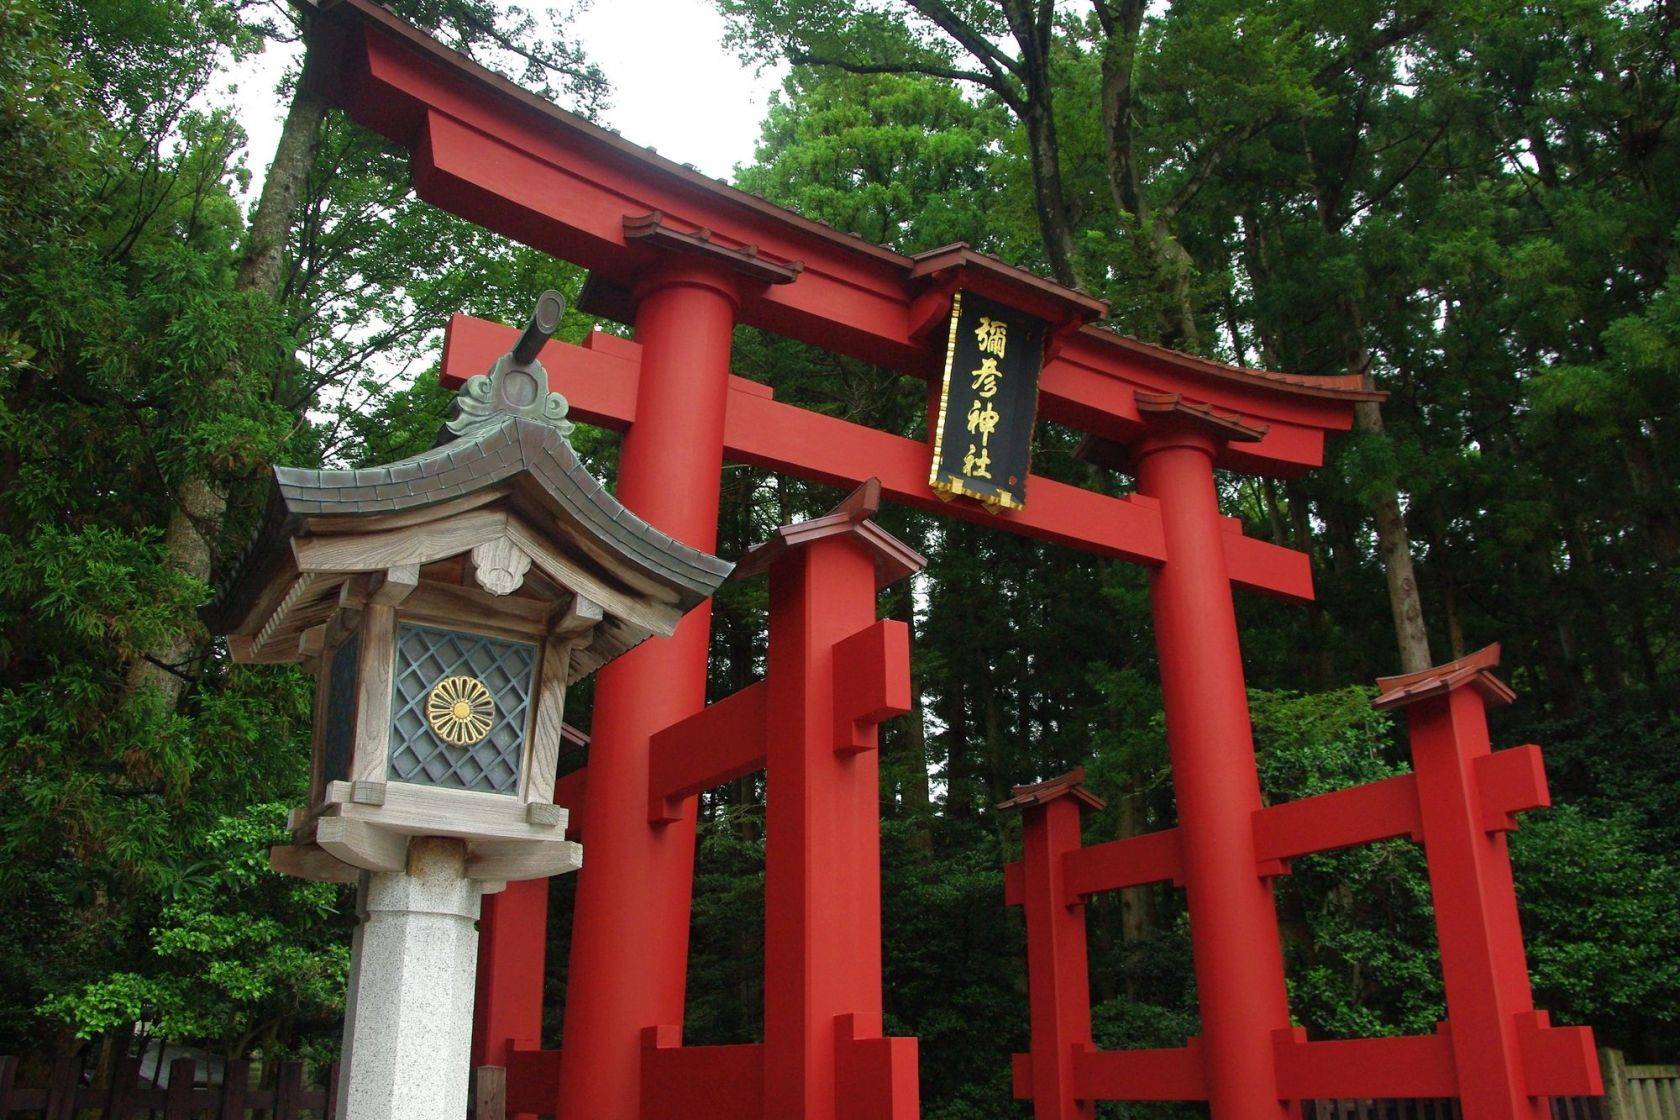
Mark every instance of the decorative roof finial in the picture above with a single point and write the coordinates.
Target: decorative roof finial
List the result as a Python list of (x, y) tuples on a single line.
[(514, 386)]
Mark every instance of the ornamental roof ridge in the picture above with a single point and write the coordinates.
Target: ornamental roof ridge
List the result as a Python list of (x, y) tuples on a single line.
[(516, 384), (1071, 784), (894, 560)]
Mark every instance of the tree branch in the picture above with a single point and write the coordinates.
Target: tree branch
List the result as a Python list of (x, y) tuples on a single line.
[(972, 41), (851, 67)]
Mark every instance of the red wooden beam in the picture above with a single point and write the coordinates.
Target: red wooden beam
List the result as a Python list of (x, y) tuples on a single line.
[(1152, 858), (715, 745), (1410, 1066), (1177, 1074), (533, 1079), (699, 1082), (1558, 1061), (599, 381), (1339, 819), (871, 682)]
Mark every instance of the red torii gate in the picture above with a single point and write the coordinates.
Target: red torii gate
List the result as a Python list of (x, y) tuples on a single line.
[(686, 259)]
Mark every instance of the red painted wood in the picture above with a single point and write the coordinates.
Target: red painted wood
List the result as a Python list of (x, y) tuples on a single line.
[(871, 683), (1233, 924), (499, 157), (822, 893), (629, 953), (1153, 858), (877, 1075), (1057, 967), (1558, 1061), (570, 791), (1142, 1075), (700, 1082), (599, 381), (1483, 965), (1411, 1066), (1340, 819), (1510, 782), (509, 989), (723, 742), (533, 1078)]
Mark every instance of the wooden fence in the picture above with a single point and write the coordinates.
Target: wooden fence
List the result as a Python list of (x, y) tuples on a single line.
[(1436, 1108), (1630, 1093), (130, 1096), (1639, 1092)]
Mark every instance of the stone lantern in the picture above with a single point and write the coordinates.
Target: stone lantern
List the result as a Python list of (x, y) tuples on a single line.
[(444, 603)]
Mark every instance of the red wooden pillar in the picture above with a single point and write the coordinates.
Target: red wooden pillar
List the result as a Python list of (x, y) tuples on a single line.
[(833, 673), (1484, 969), (1058, 971), (630, 940), (512, 952), (1233, 923)]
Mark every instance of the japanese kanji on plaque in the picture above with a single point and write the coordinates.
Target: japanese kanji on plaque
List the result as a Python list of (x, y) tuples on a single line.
[(982, 442)]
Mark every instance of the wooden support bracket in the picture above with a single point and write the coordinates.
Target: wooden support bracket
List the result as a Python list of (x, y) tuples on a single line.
[(871, 683), (361, 844), (1509, 782), (509, 860)]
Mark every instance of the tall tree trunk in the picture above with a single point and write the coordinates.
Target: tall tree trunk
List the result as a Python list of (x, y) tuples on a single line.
[(271, 222), (1653, 493), (1395, 547), (1394, 544), (196, 517), (194, 521), (1139, 919), (1121, 22), (1033, 31)]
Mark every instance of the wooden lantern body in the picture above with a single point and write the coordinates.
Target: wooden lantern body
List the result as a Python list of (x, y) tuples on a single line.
[(444, 604)]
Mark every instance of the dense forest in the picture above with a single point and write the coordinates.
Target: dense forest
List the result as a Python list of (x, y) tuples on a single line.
[(1472, 205)]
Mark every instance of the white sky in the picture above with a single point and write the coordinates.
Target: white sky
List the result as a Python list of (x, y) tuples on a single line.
[(674, 86)]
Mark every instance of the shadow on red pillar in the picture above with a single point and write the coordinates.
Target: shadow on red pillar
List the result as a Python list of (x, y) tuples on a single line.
[(507, 1007)]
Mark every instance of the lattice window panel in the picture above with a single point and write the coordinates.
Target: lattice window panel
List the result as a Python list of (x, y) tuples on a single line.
[(426, 656)]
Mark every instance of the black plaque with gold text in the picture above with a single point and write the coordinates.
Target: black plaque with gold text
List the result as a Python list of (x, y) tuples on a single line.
[(982, 443)]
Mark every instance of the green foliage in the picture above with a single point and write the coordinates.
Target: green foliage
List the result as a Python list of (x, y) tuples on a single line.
[(247, 954), (900, 160), (1602, 929), (134, 366), (1360, 945)]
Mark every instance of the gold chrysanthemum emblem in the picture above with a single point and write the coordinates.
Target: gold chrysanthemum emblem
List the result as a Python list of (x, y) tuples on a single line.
[(460, 710)]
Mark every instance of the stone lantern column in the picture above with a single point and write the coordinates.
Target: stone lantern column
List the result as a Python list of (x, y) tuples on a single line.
[(413, 963)]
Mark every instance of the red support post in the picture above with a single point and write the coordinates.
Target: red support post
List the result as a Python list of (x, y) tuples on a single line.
[(1058, 972), (822, 891), (629, 954), (1490, 1006), (512, 952), (1233, 922)]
